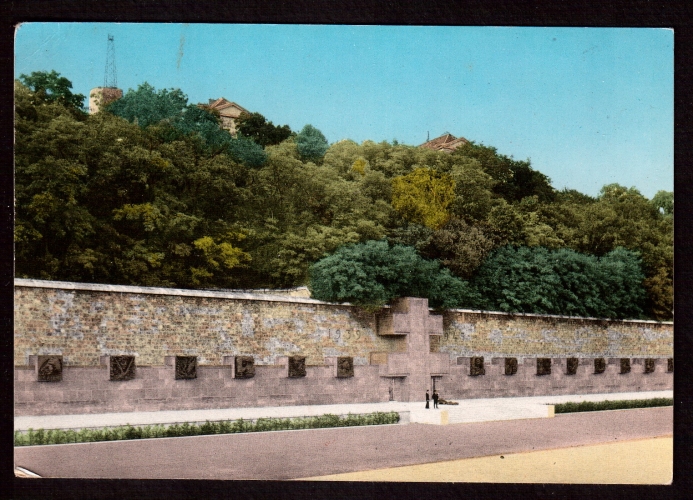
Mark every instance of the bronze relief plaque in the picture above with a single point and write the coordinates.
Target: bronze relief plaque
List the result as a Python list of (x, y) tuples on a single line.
[(476, 366), (297, 366), (543, 366), (50, 368), (244, 367), (122, 367), (510, 366), (186, 367), (625, 365), (599, 365), (649, 365), (345, 367), (572, 366)]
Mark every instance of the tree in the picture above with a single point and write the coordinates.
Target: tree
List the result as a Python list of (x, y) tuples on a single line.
[(256, 127), (312, 145), (53, 87), (542, 281), (173, 118), (372, 274), (423, 196)]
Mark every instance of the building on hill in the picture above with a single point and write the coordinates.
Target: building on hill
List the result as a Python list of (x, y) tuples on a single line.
[(228, 111), (101, 96), (446, 142)]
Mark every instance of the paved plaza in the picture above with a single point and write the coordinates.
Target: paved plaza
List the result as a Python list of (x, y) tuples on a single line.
[(312, 453)]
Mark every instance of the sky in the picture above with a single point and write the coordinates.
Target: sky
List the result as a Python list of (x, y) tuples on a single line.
[(587, 106)]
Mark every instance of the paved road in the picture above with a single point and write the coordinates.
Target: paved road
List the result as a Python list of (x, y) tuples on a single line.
[(307, 453)]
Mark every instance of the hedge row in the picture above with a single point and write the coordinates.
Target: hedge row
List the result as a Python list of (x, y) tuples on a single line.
[(612, 405), (59, 436)]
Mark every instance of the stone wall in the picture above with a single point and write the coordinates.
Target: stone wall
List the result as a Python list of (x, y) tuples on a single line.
[(460, 384), (154, 388), (395, 354)]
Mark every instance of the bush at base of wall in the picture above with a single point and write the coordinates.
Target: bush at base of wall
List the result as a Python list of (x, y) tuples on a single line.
[(59, 436), (612, 405)]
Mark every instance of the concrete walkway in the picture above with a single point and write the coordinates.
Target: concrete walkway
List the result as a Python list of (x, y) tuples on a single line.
[(470, 410)]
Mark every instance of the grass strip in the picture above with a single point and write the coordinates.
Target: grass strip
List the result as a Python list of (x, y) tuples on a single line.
[(33, 437), (612, 405)]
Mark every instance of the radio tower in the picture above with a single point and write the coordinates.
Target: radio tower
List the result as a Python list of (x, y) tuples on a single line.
[(101, 96), (110, 80)]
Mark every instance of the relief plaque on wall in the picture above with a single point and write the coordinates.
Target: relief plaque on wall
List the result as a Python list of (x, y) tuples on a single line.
[(122, 367), (649, 365), (625, 365), (670, 364), (244, 367), (297, 366), (599, 365), (50, 368), (476, 366), (572, 366), (543, 366), (345, 367), (510, 366), (186, 367)]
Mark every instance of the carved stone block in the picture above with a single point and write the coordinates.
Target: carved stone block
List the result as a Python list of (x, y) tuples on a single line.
[(49, 368), (476, 366), (599, 365), (572, 366), (244, 367), (649, 365), (670, 365), (297, 366), (345, 367), (186, 367), (510, 366), (625, 365), (543, 366), (122, 367)]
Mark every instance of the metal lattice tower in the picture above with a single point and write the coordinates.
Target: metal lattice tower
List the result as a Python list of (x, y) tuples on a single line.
[(110, 80)]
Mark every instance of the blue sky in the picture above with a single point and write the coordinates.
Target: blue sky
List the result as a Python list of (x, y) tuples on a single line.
[(587, 106)]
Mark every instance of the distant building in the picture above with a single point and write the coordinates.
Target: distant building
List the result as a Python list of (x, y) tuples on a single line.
[(446, 142), (100, 96), (228, 111)]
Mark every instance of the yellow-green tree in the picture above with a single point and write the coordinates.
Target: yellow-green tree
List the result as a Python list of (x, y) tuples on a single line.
[(423, 196)]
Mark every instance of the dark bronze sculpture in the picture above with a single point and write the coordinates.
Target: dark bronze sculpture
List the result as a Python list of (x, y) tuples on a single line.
[(244, 367), (345, 367), (186, 367), (297, 366), (122, 367), (476, 366), (50, 368), (543, 366)]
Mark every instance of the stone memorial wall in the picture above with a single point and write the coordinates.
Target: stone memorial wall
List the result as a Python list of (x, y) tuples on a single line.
[(83, 348)]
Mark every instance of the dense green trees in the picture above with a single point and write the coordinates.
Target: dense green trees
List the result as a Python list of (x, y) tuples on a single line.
[(50, 87), (151, 191), (256, 127), (374, 273)]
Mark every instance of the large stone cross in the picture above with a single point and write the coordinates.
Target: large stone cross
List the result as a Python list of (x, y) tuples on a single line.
[(410, 317)]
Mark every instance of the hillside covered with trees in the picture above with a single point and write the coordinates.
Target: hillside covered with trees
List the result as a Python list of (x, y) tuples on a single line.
[(152, 192)]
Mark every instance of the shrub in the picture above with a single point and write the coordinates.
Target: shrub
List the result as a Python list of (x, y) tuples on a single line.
[(612, 405)]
